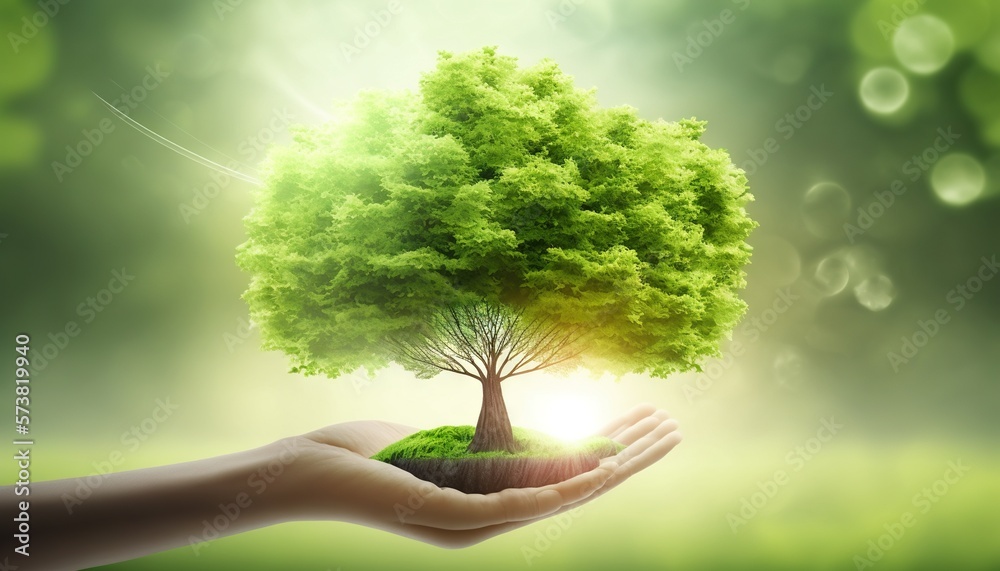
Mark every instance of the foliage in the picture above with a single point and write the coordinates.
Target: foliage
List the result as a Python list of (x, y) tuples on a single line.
[(504, 186)]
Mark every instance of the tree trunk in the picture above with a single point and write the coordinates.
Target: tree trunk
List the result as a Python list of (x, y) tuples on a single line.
[(493, 431)]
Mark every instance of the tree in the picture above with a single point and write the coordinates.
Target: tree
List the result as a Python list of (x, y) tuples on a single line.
[(494, 223)]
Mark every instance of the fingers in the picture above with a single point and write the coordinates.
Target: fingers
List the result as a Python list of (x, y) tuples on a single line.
[(647, 441), (646, 450), (648, 435), (453, 510), (616, 426), (643, 453), (572, 493), (649, 449), (573, 490), (642, 428)]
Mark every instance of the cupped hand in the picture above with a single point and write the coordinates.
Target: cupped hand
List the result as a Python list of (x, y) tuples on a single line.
[(334, 477)]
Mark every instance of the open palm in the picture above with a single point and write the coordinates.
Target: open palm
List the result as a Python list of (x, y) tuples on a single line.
[(338, 480)]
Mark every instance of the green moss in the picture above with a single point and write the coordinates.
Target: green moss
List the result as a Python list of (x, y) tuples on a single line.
[(453, 442)]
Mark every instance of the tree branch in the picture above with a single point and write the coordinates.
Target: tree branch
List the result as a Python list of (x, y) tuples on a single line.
[(483, 341)]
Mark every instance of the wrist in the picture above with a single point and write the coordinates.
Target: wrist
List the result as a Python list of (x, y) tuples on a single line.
[(270, 478)]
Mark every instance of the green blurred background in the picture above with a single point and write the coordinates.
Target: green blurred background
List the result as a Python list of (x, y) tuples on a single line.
[(828, 307)]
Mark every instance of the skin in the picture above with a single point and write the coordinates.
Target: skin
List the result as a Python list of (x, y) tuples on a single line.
[(323, 475)]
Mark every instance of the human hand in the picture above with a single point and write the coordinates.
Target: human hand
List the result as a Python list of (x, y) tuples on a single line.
[(327, 474), (334, 478), (648, 435)]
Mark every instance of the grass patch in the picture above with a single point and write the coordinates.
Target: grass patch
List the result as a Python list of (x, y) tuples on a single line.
[(453, 441)]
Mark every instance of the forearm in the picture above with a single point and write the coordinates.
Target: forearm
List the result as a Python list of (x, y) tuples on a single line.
[(131, 514)]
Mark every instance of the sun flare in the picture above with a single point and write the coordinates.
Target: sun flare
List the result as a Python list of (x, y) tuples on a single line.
[(567, 417)]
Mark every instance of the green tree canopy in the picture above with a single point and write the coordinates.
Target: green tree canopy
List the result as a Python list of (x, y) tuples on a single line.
[(505, 186)]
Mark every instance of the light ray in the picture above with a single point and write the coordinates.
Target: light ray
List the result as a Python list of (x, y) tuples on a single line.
[(184, 152), (181, 129)]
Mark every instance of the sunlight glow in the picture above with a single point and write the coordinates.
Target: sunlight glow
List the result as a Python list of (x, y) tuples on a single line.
[(568, 417)]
